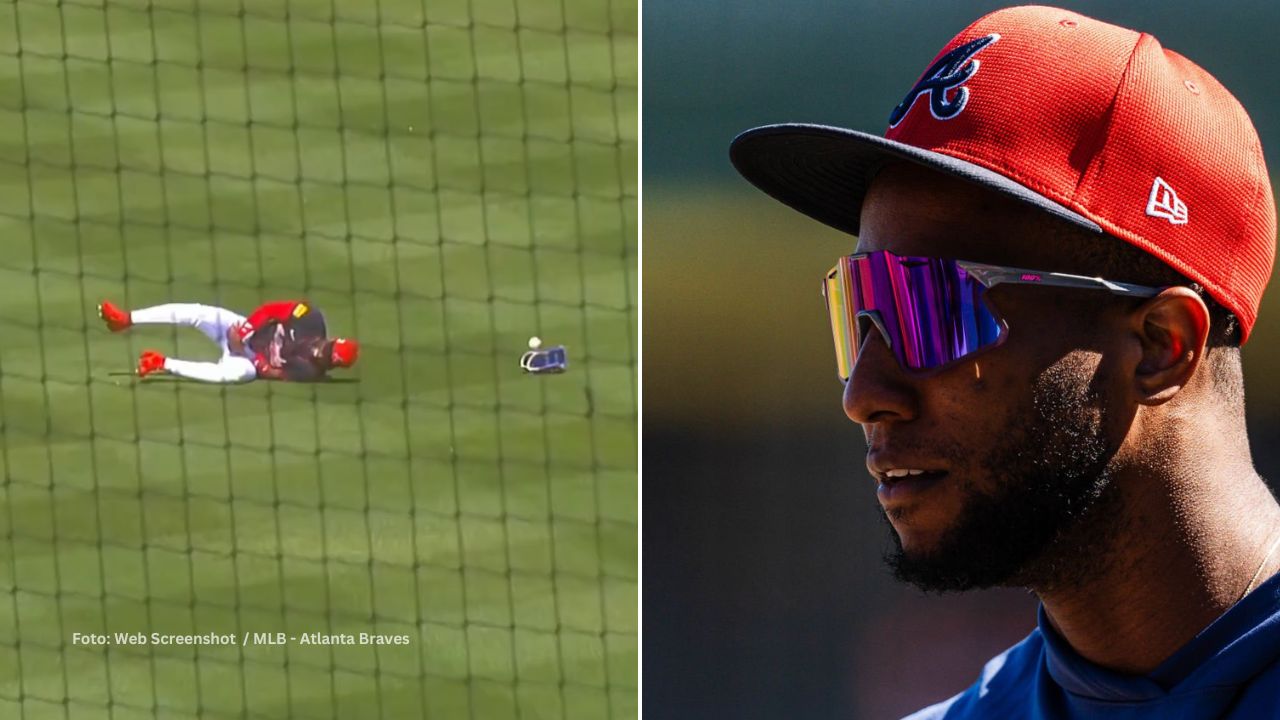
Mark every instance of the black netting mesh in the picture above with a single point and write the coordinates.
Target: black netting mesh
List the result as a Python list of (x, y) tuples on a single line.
[(444, 179)]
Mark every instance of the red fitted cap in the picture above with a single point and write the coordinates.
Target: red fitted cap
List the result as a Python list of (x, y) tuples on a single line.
[(345, 352), (1091, 122)]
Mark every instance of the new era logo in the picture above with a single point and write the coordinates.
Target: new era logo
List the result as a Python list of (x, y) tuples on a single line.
[(1164, 203)]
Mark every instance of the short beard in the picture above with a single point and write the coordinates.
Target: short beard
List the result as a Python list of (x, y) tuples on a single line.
[(1053, 509)]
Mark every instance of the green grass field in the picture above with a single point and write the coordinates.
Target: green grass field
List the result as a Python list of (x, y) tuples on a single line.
[(444, 179)]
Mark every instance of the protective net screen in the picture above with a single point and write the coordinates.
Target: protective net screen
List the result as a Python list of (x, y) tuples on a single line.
[(443, 179)]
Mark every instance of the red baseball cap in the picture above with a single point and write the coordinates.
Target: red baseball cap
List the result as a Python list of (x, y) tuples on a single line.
[(1091, 122), (344, 352)]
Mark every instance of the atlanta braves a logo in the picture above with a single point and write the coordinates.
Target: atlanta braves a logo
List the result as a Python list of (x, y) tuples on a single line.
[(948, 73)]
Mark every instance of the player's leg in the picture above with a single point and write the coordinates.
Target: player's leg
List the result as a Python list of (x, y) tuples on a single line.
[(230, 369), (210, 320)]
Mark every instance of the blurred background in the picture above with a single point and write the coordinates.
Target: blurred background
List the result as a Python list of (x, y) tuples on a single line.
[(764, 592)]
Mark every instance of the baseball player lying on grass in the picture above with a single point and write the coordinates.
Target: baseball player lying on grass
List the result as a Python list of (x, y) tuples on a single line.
[(279, 341)]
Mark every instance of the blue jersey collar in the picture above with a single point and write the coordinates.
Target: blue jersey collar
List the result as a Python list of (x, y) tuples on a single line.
[(1232, 649)]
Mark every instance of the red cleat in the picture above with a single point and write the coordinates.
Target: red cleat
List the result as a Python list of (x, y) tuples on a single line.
[(117, 320), (150, 362)]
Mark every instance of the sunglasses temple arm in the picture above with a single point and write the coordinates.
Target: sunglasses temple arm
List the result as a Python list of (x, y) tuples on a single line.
[(992, 275)]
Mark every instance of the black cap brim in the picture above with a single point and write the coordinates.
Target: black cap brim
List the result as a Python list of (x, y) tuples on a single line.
[(824, 171)]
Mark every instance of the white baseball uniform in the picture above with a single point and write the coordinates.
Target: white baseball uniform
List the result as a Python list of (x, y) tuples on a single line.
[(213, 322)]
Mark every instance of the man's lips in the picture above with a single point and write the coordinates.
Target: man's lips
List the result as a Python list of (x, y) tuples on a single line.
[(896, 490), (901, 478)]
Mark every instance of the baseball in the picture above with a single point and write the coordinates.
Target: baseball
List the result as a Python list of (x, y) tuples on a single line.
[(535, 342)]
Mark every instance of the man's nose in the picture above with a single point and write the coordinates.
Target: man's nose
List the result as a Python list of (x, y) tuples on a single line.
[(878, 390)]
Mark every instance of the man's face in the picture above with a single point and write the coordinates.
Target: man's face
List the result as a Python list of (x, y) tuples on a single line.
[(1016, 441)]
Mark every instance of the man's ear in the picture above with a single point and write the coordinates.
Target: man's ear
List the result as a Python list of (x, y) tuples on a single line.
[(1171, 329)]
